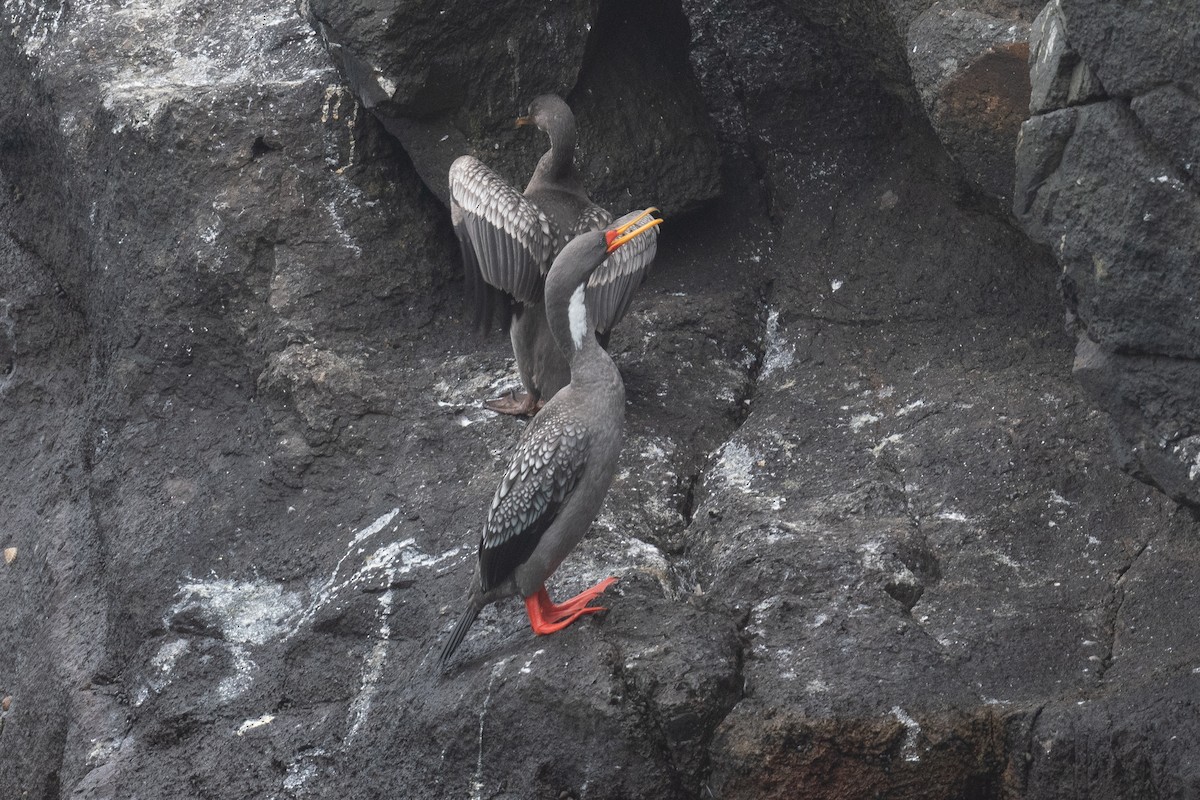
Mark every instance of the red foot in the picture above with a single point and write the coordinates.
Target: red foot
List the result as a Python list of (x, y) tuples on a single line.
[(514, 404), (547, 617)]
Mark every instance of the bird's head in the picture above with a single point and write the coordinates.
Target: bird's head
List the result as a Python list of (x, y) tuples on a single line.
[(566, 285), (629, 227), (584, 254), (549, 113)]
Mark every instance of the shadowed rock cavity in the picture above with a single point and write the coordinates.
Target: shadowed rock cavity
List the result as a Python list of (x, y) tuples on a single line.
[(465, 73)]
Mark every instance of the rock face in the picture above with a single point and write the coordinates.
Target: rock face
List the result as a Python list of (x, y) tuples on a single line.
[(870, 537), (449, 80), (971, 71), (963, 63), (1107, 179)]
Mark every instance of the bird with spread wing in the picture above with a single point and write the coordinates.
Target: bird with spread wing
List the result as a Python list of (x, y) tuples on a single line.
[(509, 241)]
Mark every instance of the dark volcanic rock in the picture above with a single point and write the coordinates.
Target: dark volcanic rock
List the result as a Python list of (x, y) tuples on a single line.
[(1057, 75), (1171, 117), (1133, 50), (1106, 183), (446, 78), (964, 64), (972, 72), (911, 490), (869, 535)]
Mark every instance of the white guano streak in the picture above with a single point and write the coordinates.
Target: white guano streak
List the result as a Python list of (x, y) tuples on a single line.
[(577, 315)]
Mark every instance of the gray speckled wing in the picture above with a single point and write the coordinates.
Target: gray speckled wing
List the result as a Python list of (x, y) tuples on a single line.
[(592, 218), (612, 286), (543, 472), (505, 238)]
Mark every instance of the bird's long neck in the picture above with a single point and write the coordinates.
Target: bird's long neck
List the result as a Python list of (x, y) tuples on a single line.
[(568, 317), (559, 161), (573, 326)]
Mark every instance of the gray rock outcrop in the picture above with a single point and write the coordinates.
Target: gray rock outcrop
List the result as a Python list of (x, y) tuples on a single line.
[(971, 71), (1106, 179)]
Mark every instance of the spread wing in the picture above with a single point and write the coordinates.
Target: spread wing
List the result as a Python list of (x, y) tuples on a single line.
[(545, 469), (612, 286), (507, 243)]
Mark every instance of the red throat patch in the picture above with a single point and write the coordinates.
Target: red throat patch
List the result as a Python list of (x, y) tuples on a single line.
[(609, 237)]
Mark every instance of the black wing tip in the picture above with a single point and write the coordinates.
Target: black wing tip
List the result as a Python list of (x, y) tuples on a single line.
[(469, 615), (488, 307), (491, 308), (500, 560)]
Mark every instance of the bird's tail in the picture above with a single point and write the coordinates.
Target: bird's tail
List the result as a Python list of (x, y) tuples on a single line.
[(460, 631)]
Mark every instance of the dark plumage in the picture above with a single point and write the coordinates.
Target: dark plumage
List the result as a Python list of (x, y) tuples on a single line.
[(509, 241), (565, 459)]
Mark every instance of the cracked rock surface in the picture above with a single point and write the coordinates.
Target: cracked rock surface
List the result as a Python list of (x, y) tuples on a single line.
[(1106, 178), (870, 537)]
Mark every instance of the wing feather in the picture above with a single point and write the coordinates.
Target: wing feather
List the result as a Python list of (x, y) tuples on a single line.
[(507, 242), (543, 472), (490, 306), (592, 218), (612, 286)]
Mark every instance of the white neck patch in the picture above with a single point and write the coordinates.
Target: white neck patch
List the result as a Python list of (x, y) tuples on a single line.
[(577, 315)]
